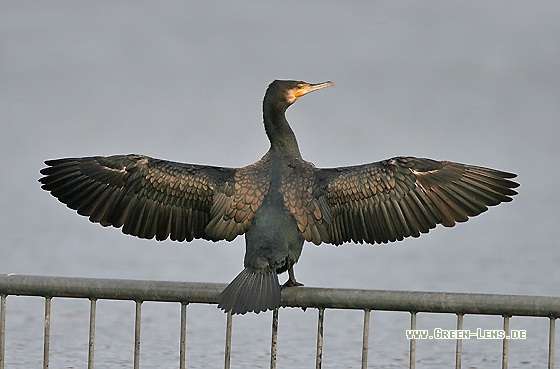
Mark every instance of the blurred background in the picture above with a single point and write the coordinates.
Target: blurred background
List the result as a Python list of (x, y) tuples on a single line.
[(475, 82)]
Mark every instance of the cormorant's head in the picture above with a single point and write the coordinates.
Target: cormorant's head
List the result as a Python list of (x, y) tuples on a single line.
[(285, 93)]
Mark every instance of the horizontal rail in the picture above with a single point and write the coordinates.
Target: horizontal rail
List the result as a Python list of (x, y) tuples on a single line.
[(418, 301), (111, 289), (304, 297)]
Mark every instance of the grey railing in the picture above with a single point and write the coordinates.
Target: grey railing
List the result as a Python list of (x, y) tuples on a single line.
[(303, 297)]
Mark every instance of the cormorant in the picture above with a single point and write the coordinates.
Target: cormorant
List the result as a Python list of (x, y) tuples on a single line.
[(278, 202)]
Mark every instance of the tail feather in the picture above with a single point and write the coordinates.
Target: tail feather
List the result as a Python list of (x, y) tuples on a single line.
[(251, 291)]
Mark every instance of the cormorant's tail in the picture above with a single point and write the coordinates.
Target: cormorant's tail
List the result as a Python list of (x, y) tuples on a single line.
[(251, 291)]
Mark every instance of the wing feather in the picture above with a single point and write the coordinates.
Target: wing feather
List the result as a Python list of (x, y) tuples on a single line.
[(405, 196), (146, 197)]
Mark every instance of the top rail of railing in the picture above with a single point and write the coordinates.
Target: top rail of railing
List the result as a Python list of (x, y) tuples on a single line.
[(303, 297)]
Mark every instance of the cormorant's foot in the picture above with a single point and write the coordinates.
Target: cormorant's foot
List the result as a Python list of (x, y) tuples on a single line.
[(291, 283)]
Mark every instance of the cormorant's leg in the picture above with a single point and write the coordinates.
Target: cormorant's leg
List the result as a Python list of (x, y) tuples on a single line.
[(291, 282)]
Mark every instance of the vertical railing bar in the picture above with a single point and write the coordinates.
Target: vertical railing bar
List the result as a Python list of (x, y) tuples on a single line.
[(505, 343), (459, 345), (412, 354), (137, 324), (274, 339), (47, 334), (319, 353), (228, 341), (91, 345), (365, 339), (183, 339), (2, 330), (551, 336)]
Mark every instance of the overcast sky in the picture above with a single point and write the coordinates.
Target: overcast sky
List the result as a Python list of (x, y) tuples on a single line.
[(475, 82)]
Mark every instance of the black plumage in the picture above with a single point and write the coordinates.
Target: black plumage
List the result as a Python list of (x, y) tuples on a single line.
[(278, 202)]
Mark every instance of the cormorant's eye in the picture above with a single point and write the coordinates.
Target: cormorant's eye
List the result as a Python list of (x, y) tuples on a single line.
[(300, 86)]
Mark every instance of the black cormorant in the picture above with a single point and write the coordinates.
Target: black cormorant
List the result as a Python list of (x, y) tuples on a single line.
[(278, 202)]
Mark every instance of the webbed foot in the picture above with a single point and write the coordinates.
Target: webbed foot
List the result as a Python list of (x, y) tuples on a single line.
[(291, 282)]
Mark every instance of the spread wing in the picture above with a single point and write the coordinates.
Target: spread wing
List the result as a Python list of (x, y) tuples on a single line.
[(150, 197), (405, 196)]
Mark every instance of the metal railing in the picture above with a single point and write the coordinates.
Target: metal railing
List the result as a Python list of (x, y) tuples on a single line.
[(185, 293)]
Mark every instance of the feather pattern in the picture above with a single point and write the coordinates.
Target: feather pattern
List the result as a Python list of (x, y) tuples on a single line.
[(297, 191), (251, 291), (404, 196), (233, 211), (146, 197)]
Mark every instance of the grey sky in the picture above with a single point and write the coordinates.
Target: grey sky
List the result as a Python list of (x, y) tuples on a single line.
[(472, 81), (475, 82)]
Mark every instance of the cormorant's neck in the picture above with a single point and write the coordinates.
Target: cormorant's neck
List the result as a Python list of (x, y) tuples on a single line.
[(279, 132)]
